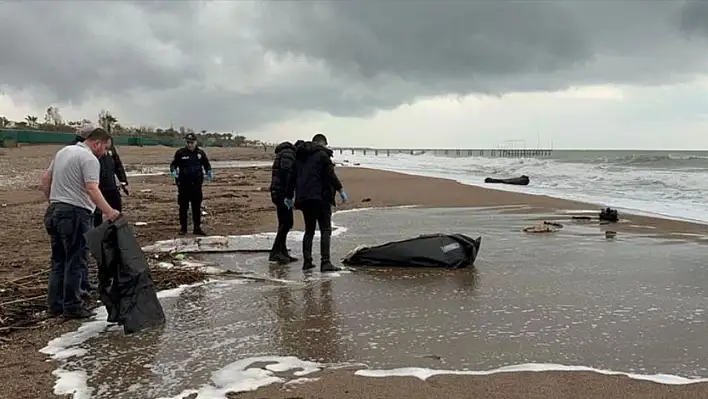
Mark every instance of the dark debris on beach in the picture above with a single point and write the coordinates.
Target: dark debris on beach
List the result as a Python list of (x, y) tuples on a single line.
[(23, 300)]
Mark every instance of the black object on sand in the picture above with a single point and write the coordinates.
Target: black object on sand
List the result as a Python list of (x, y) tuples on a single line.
[(125, 286), (522, 180), (436, 250), (609, 215)]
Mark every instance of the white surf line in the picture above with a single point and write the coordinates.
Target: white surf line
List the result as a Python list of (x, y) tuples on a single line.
[(239, 377), (64, 347), (191, 244), (424, 373)]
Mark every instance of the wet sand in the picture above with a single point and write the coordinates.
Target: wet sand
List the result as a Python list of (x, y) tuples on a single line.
[(575, 298), (240, 206)]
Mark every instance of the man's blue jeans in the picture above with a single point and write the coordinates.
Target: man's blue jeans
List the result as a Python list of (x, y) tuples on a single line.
[(67, 226)]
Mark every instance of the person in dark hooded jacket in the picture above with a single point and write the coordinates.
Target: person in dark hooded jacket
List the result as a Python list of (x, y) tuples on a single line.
[(111, 167), (282, 166), (313, 184)]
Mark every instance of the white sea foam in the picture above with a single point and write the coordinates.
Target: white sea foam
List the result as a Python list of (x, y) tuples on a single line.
[(258, 240), (65, 347), (240, 377), (424, 373), (680, 194)]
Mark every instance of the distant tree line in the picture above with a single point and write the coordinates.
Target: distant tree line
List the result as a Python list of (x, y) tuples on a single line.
[(53, 122)]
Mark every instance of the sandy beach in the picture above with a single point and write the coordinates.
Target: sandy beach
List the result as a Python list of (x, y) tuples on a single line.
[(237, 202)]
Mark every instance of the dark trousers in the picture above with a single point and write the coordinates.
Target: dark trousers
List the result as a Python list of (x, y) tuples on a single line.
[(190, 194), (285, 223), (113, 198), (67, 226), (317, 213)]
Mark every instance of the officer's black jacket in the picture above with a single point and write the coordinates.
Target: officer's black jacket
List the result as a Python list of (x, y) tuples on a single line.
[(190, 165), (313, 177), (282, 166), (111, 167)]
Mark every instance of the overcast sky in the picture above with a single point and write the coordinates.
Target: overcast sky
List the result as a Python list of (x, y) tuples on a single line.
[(582, 74)]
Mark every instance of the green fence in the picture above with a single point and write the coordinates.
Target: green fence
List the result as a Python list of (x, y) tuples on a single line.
[(9, 136)]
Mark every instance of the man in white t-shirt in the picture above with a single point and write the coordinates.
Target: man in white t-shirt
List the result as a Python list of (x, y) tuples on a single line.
[(71, 186)]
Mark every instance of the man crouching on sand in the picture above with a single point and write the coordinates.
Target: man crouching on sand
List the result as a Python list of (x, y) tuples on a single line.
[(71, 186), (314, 183), (282, 166)]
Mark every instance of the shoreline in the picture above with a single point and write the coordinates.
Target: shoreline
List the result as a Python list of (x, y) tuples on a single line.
[(238, 202), (483, 196), (478, 182)]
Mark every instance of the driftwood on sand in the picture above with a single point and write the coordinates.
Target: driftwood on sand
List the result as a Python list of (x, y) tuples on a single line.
[(23, 300)]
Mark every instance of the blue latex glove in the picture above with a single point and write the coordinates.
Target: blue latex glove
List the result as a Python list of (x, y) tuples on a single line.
[(210, 175), (343, 195), (174, 174), (289, 203)]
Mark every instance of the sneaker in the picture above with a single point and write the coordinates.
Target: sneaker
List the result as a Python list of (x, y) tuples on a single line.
[(307, 265), (292, 258), (81, 313), (199, 232), (279, 258), (327, 266)]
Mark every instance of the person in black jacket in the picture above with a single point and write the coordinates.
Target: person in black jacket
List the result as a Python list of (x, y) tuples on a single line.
[(282, 166), (314, 183), (111, 167), (187, 168)]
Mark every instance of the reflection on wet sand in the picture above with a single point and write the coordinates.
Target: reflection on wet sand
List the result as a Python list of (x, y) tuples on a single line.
[(307, 323), (126, 357)]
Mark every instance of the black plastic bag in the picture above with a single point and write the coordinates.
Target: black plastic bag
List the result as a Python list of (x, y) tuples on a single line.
[(124, 283), (435, 250)]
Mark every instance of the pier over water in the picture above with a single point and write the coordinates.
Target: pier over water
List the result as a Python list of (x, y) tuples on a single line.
[(458, 152)]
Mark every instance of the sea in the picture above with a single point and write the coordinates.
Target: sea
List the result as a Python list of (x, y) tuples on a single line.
[(668, 184)]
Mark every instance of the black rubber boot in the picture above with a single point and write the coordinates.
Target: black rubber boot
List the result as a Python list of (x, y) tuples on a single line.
[(199, 232)]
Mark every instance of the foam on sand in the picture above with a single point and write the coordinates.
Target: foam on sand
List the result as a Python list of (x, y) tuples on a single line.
[(246, 241), (238, 377), (64, 347), (423, 373)]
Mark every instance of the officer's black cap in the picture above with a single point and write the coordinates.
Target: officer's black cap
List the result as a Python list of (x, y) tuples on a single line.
[(190, 137)]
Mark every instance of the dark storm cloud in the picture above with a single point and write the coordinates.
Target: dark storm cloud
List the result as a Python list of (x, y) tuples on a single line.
[(694, 17), (240, 65), (483, 45), (78, 48)]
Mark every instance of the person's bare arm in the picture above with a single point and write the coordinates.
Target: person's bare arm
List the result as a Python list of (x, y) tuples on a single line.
[(91, 170), (46, 181), (98, 199)]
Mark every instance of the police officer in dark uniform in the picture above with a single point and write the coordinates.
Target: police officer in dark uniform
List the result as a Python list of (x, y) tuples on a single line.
[(187, 168), (111, 167), (282, 166)]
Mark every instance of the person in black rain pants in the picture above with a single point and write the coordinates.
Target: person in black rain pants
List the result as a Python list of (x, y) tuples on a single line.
[(282, 166), (111, 167), (314, 183), (187, 168)]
